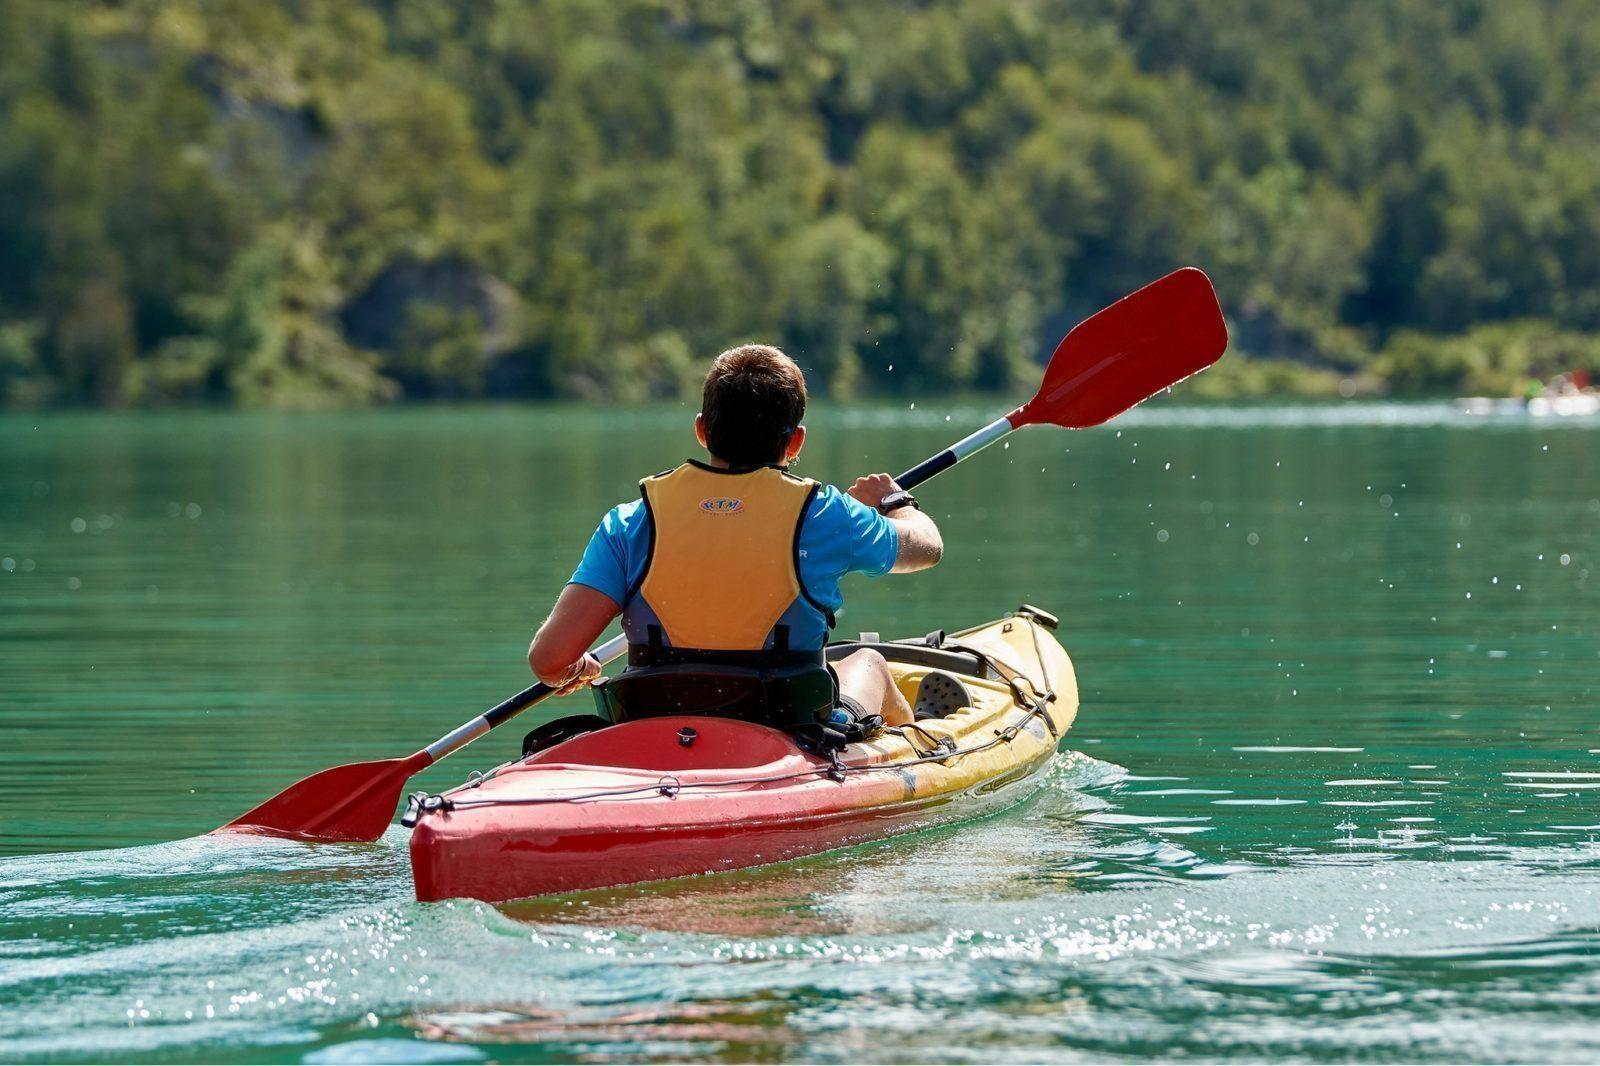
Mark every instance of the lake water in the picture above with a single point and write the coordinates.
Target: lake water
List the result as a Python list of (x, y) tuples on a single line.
[(1334, 792)]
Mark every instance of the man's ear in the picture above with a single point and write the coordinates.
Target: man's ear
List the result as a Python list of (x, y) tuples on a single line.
[(700, 431), (797, 440)]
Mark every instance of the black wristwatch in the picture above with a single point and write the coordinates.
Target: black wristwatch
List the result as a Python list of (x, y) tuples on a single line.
[(896, 500)]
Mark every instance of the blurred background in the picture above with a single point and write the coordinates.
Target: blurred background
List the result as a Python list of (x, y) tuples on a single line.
[(313, 203)]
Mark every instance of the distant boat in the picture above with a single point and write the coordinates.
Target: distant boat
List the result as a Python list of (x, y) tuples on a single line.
[(1581, 403), (1577, 404)]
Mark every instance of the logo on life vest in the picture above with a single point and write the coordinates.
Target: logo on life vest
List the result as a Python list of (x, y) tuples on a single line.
[(721, 505)]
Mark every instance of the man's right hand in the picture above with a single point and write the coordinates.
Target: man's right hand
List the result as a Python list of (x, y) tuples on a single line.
[(584, 671), (557, 654)]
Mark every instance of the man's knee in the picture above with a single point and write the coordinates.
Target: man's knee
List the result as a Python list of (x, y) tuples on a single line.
[(865, 661)]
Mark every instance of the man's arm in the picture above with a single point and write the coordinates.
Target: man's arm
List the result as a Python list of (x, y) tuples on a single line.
[(559, 652), (921, 545)]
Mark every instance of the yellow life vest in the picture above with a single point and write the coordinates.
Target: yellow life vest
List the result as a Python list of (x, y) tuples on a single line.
[(722, 570)]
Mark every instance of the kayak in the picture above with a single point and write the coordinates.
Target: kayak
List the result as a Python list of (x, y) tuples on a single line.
[(673, 796)]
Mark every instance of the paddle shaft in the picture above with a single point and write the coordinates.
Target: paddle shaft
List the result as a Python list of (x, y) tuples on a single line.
[(506, 710), (967, 446)]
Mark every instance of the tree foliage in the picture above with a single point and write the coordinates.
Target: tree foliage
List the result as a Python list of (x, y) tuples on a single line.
[(211, 200)]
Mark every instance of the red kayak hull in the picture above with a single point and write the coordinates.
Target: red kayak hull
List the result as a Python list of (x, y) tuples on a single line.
[(506, 851), (674, 796)]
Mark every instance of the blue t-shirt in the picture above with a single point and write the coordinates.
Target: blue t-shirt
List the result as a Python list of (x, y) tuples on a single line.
[(840, 536)]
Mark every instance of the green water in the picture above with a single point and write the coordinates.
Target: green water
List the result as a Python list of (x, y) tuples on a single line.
[(1334, 793)]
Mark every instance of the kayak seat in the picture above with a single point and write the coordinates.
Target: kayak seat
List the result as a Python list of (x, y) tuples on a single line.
[(779, 696), (550, 734), (939, 696)]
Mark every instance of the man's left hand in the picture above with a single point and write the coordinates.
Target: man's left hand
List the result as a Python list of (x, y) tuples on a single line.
[(870, 489)]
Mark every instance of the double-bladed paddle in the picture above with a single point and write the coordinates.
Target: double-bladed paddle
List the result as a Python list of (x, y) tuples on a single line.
[(1111, 361)]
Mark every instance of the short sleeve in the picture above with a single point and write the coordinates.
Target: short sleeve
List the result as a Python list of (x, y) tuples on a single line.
[(608, 563), (874, 541)]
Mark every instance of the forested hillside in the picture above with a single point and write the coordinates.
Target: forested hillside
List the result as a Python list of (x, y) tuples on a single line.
[(310, 202)]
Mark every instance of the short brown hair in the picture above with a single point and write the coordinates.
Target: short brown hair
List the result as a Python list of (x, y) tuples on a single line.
[(754, 398)]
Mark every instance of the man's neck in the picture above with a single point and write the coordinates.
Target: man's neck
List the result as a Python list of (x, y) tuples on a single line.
[(723, 464)]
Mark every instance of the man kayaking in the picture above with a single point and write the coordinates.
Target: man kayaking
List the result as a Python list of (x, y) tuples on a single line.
[(726, 572), (711, 629)]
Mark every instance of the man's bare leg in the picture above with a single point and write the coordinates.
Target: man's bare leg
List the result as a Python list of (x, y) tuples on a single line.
[(864, 676)]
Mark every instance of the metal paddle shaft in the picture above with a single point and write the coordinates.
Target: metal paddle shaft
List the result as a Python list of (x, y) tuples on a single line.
[(1110, 362), (1113, 360), (357, 801)]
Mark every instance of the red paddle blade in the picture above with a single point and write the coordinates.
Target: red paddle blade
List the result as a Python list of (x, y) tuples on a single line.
[(354, 802), (1121, 356)]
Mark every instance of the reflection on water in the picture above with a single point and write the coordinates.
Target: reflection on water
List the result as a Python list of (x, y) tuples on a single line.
[(1338, 798)]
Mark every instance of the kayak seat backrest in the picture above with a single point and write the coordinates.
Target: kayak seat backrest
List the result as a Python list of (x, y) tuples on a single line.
[(550, 734), (780, 696)]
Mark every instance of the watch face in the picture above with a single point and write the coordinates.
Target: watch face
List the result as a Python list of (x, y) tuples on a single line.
[(896, 500)]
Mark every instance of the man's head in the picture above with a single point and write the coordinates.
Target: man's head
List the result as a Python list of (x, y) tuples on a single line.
[(751, 409)]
